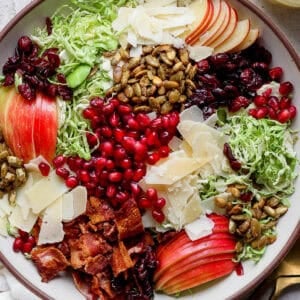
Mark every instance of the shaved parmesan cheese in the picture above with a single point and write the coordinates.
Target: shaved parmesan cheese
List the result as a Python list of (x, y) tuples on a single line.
[(136, 52), (16, 219), (4, 205), (199, 228), (45, 192), (193, 113), (3, 226), (74, 203), (52, 227)]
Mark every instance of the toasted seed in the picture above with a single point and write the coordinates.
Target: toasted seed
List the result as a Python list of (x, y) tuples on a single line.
[(220, 202), (117, 74), (168, 84), (4, 154), (21, 175), (141, 74), (255, 227), (161, 48), (257, 213), (281, 210), (273, 202), (240, 217), (157, 81), (12, 195), (178, 67), (4, 169), (165, 59), (137, 70), (235, 210), (115, 59), (152, 61), (142, 108), (161, 91), (269, 211), (232, 226), (151, 90), (174, 96), (117, 88), (14, 161), (184, 56), (268, 225), (192, 72), (182, 98), (166, 108), (129, 93), (191, 84), (150, 75), (179, 76), (171, 54), (244, 226), (161, 72), (125, 77), (271, 239), (124, 54), (233, 191), (137, 89), (147, 49), (132, 80), (133, 62), (239, 247), (260, 242)]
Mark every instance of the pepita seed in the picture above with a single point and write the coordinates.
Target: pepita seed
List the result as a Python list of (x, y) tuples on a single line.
[(171, 54), (122, 97), (235, 210), (125, 77), (152, 61), (220, 202), (157, 81), (281, 210), (184, 56), (168, 84), (273, 202), (137, 89), (269, 211), (255, 227), (165, 59), (244, 226), (178, 67), (232, 226), (129, 93), (142, 108), (117, 74), (239, 217), (234, 192), (133, 62), (166, 108)]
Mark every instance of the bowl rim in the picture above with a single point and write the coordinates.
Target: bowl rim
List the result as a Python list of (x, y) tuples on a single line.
[(246, 290)]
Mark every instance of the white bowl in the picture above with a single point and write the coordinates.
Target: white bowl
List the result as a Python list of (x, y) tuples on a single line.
[(231, 287)]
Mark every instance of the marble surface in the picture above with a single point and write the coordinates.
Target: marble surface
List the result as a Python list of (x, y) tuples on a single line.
[(287, 19)]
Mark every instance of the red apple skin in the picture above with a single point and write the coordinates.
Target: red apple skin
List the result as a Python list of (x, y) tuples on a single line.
[(202, 274), (29, 127), (45, 127)]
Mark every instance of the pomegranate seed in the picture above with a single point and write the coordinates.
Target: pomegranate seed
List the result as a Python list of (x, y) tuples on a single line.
[(62, 172), (272, 113), (285, 102), (285, 88), (90, 186), (72, 163), (108, 109), (27, 247), (110, 164), (138, 174), (71, 182), (84, 176), (111, 191), (31, 240), (135, 189), (124, 109), (165, 122), (128, 174), (88, 165), (128, 143), (158, 215), (293, 111), (159, 203), (119, 153), (89, 113), (152, 138), (92, 139), (44, 169), (174, 119), (262, 112), (252, 112), (164, 151), (59, 161), (276, 73), (140, 151), (114, 120), (18, 244), (122, 197), (115, 176), (134, 134), (153, 158), (267, 93), (99, 191), (284, 116), (273, 102), (118, 134), (156, 123), (133, 124), (144, 203), (143, 120), (97, 103), (125, 163), (107, 148), (165, 137), (115, 102), (99, 163), (106, 131), (151, 194), (260, 100), (23, 235)]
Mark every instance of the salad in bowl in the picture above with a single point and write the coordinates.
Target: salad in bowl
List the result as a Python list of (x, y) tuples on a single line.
[(147, 148)]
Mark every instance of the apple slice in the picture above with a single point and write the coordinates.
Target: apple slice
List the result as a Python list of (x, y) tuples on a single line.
[(45, 127), (218, 28), (250, 39), (199, 275), (227, 32), (237, 37), (203, 24), (216, 13)]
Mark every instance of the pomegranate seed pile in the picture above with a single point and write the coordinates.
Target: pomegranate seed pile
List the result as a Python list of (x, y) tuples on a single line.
[(24, 242), (125, 143)]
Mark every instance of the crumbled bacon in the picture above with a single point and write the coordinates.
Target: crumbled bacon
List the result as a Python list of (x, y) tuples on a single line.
[(96, 264), (49, 261), (99, 211), (121, 260), (129, 220)]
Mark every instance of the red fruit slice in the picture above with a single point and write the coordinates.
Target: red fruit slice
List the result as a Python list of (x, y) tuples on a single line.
[(199, 275)]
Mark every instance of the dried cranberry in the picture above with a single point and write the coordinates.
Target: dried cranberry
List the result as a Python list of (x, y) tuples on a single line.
[(238, 103), (25, 44), (49, 25), (26, 91)]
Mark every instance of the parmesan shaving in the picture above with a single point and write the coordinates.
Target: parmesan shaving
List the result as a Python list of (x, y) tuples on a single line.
[(16, 219), (200, 228)]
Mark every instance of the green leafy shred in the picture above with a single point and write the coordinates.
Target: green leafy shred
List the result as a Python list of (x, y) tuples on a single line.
[(82, 32)]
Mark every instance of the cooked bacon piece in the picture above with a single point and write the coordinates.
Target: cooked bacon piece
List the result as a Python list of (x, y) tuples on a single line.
[(96, 264), (121, 260), (49, 261), (87, 245), (102, 281), (83, 283), (99, 210), (109, 231), (129, 220)]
